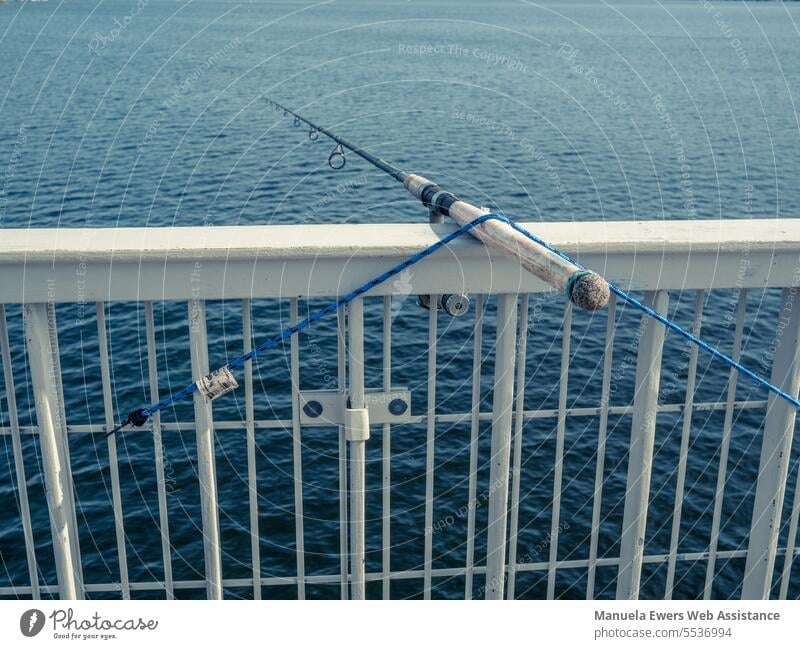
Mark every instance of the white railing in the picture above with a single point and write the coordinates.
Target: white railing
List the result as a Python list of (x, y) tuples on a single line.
[(47, 270)]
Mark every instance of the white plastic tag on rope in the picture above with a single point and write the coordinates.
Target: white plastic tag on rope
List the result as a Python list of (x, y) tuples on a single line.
[(217, 383)]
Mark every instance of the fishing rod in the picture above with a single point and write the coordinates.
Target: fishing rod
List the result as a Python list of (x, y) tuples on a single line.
[(583, 287)]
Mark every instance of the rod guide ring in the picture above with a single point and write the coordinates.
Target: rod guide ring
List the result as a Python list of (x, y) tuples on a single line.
[(337, 160)]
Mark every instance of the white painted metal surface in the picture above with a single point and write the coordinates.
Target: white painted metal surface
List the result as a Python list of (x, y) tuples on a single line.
[(19, 463), (597, 496), (297, 455), (558, 461), (519, 419), (149, 265), (430, 439), (108, 408), (502, 411), (341, 381), (474, 428), (52, 434), (158, 451), (206, 463), (252, 471), (725, 446), (157, 263), (775, 453), (640, 450), (386, 463), (357, 448), (683, 454)]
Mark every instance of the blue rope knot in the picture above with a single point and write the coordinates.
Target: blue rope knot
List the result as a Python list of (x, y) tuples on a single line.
[(139, 417), (136, 418)]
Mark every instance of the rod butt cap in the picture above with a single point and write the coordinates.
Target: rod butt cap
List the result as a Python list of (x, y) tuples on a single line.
[(589, 291)]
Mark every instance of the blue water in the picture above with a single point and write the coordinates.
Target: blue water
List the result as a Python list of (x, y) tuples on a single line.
[(118, 113)]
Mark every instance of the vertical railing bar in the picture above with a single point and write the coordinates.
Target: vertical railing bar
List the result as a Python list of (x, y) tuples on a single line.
[(683, 455), (357, 454), (206, 457), (108, 407), (791, 540), (341, 375), (477, 336), (516, 471), (641, 447), (558, 467), (297, 454), (776, 449), (158, 450), (605, 396), (430, 440), (386, 493), (502, 411), (39, 330), (64, 444), (252, 472), (725, 446), (19, 463)]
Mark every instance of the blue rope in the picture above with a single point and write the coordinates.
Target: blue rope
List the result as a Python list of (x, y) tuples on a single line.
[(668, 323), (140, 416)]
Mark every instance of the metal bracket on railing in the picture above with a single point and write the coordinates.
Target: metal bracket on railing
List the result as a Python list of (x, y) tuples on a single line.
[(329, 407)]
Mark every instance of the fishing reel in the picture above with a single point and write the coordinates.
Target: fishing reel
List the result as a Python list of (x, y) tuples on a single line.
[(453, 304)]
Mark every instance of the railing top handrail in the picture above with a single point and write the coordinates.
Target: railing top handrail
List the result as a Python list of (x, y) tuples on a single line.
[(369, 240), (87, 265)]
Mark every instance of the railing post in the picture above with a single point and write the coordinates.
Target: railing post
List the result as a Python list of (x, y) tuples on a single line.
[(775, 451), (502, 410), (297, 453), (206, 465), (40, 335), (19, 463), (640, 452), (357, 433), (341, 383)]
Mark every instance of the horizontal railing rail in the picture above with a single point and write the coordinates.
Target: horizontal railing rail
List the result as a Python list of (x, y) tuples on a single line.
[(537, 409), (249, 261)]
